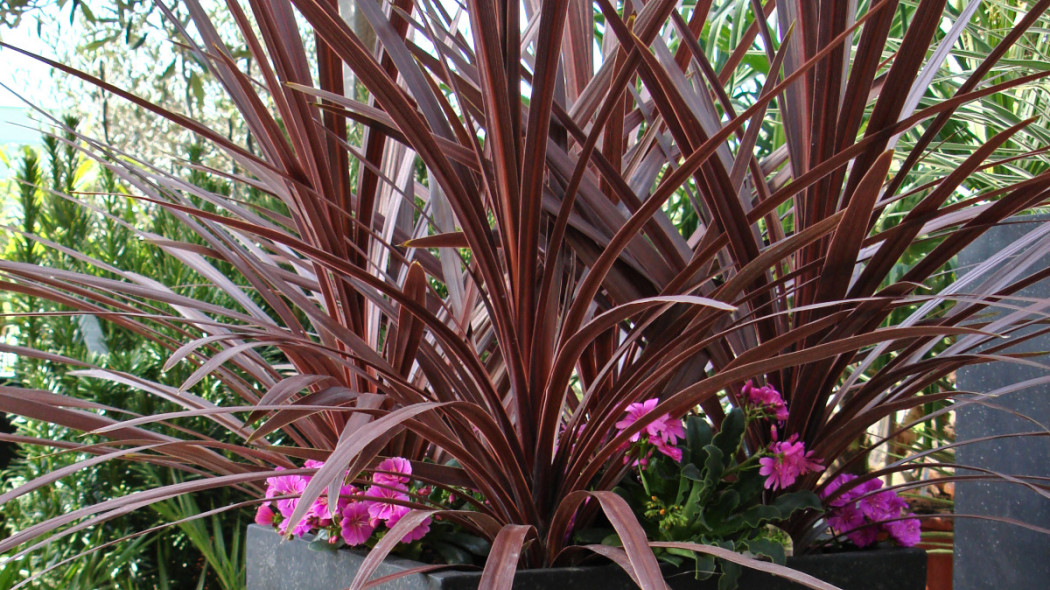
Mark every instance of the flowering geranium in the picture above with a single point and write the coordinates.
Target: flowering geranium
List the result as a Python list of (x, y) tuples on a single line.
[(906, 531), (382, 509), (709, 487), (789, 460), (662, 433), (861, 512), (356, 517), (417, 533), (399, 469), (287, 488), (356, 525), (765, 399)]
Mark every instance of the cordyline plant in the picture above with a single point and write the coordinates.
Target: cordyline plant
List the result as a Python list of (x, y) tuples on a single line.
[(526, 217)]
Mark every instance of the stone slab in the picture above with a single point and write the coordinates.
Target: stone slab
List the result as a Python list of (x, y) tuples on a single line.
[(990, 554)]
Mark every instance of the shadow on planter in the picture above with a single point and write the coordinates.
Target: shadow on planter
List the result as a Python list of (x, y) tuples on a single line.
[(274, 564)]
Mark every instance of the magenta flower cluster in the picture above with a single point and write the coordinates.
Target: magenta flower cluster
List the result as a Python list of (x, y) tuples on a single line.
[(789, 460), (766, 399), (357, 515), (862, 512), (662, 433)]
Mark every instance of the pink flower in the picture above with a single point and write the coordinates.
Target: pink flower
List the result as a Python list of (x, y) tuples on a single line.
[(395, 465), (845, 519), (281, 485), (345, 497), (287, 506), (672, 452), (850, 495), (766, 398), (287, 485), (777, 476), (864, 535), (862, 511), (848, 520), (318, 514), (356, 525), (881, 506), (381, 509), (284, 485), (662, 432), (789, 461), (833, 487), (417, 533), (671, 430), (264, 515), (300, 529), (636, 411), (906, 532)]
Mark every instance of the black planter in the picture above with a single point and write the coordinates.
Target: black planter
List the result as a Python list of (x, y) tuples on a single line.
[(274, 564)]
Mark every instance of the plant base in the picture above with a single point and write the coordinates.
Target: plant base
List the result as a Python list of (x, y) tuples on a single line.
[(274, 564)]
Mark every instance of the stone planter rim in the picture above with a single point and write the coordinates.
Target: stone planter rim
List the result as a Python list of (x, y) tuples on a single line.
[(907, 570)]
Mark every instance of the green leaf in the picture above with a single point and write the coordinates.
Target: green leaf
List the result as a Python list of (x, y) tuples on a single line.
[(756, 516), (705, 566), (679, 552), (196, 87), (692, 472), (693, 510), (732, 432), (698, 434), (89, 16), (793, 502), (168, 71), (730, 575), (726, 504), (714, 466), (749, 484), (669, 556), (96, 44), (766, 547)]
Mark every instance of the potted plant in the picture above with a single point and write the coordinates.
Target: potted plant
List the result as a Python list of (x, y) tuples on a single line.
[(519, 221), (691, 489)]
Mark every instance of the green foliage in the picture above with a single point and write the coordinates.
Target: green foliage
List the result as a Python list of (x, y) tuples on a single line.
[(219, 538), (713, 497), (101, 227)]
